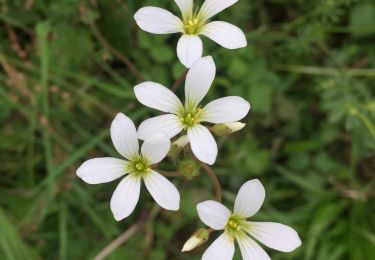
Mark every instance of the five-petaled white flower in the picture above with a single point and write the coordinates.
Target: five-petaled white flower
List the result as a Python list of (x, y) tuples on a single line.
[(190, 48), (189, 116), (248, 201), (137, 166)]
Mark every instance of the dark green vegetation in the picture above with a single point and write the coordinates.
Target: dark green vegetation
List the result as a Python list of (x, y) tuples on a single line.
[(308, 71)]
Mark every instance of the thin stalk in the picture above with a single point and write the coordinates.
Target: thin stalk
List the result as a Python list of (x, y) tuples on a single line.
[(42, 31), (328, 71), (169, 173), (215, 181), (178, 81), (115, 52), (125, 236)]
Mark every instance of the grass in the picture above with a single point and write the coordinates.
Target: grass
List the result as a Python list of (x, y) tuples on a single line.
[(67, 68)]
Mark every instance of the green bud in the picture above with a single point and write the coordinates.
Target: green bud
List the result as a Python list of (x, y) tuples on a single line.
[(188, 168), (227, 128), (177, 146), (198, 238)]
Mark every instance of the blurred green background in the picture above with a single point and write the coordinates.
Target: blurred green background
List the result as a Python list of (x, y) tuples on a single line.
[(308, 71)]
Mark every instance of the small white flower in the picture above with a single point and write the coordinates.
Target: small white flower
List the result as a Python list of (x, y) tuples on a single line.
[(189, 48), (236, 227), (190, 115), (137, 167)]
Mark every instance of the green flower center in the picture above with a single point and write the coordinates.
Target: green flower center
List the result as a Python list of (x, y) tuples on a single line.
[(190, 118), (193, 26), (139, 166), (235, 226)]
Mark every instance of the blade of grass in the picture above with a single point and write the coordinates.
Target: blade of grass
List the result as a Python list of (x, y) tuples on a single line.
[(42, 31), (63, 231), (11, 241)]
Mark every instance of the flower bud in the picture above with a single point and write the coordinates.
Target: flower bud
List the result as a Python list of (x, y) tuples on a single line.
[(227, 128), (189, 168), (177, 146), (199, 237)]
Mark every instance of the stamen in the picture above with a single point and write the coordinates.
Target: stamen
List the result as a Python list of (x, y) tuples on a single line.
[(139, 166), (192, 26), (235, 225), (190, 119)]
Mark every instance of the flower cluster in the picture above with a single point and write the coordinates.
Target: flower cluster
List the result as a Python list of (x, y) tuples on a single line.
[(190, 118)]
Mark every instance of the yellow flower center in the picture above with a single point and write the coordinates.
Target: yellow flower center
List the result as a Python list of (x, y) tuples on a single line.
[(190, 118), (139, 166), (235, 226), (193, 26)]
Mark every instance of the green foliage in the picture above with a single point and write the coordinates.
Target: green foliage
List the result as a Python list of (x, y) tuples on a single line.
[(308, 71)]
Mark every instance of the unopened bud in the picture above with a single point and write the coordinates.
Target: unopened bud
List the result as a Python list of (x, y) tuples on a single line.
[(177, 146), (227, 128), (189, 168), (198, 238)]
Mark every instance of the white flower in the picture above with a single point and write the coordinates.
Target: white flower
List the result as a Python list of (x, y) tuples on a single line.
[(189, 48), (137, 167), (190, 115), (248, 201)]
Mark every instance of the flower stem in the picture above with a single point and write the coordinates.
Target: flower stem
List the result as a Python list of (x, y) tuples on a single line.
[(178, 81), (125, 236), (116, 53), (215, 181), (169, 173), (119, 241)]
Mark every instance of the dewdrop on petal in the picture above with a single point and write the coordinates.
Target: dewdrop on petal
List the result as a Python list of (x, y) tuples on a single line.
[(198, 238), (227, 128)]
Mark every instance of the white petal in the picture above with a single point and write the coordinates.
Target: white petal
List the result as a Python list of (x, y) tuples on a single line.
[(186, 7), (101, 170), (157, 96), (168, 124), (213, 214), (250, 250), (199, 80), (125, 197), (156, 147), (163, 191), (221, 249), (225, 110), (274, 235), (189, 49), (249, 198), (157, 20), (212, 7), (225, 34), (202, 144), (124, 136)]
